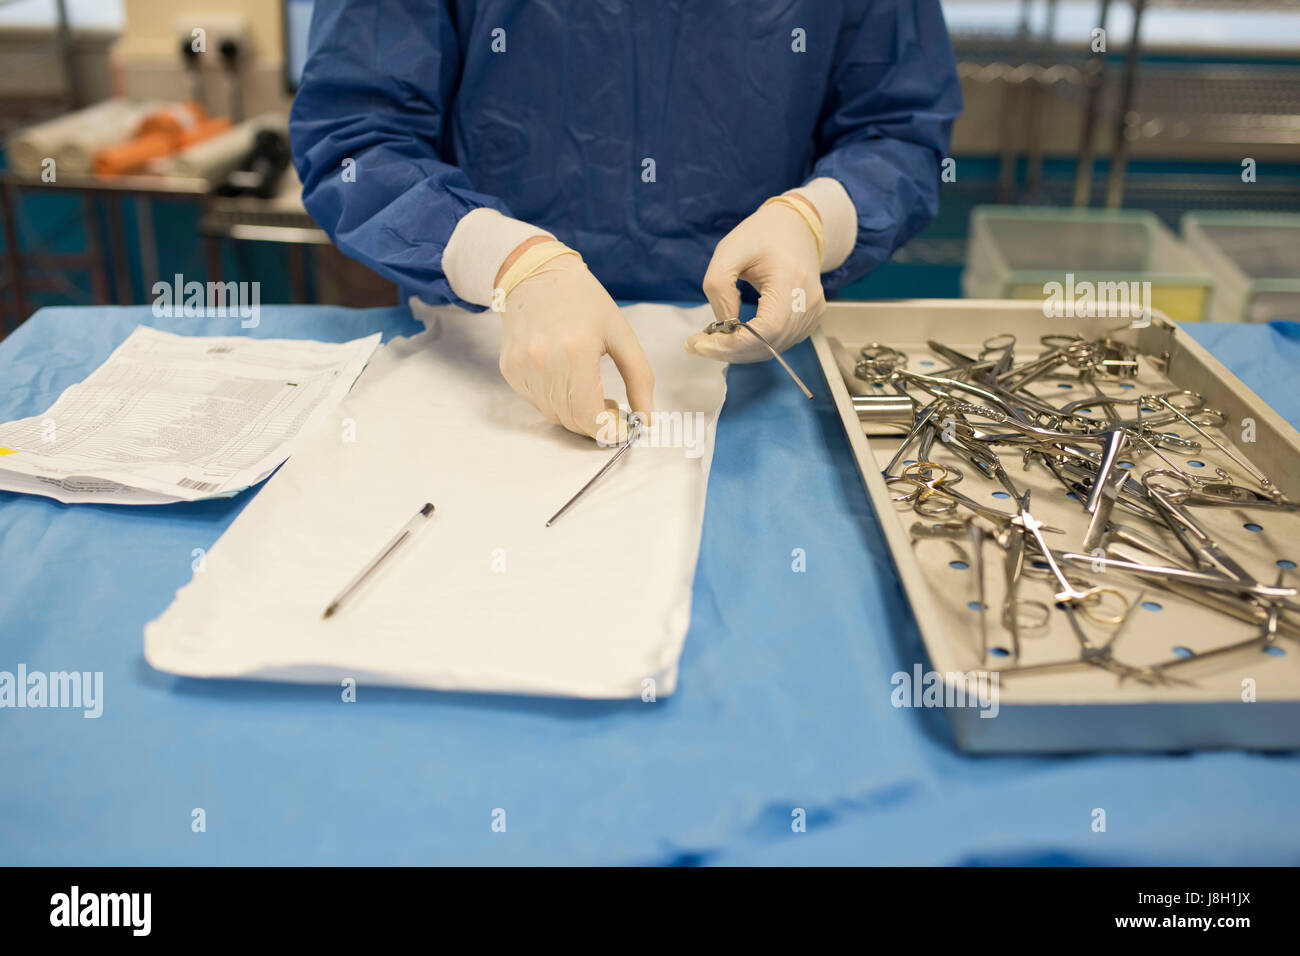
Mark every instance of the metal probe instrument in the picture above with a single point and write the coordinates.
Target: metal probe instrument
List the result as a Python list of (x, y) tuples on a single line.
[(731, 325), (633, 432)]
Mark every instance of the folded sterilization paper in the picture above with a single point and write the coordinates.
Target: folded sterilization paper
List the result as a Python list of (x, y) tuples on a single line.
[(484, 597)]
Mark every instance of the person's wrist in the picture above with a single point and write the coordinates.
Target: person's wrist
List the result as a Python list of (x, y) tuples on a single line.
[(481, 241), (518, 251), (837, 215), (807, 214), (528, 260), (807, 202)]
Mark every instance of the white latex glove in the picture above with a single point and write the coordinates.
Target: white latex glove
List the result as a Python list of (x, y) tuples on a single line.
[(775, 251), (557, 324)]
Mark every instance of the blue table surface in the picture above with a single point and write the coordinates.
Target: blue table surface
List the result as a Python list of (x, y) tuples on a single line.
[(783, 703)]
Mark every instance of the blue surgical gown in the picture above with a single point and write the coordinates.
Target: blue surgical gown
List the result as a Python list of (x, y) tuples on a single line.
[(639, 132)]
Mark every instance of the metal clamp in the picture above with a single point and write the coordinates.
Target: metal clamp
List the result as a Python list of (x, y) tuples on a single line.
[(727, 326)]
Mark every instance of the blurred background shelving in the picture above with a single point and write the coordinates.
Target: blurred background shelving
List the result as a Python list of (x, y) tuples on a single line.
[(1177, 105)]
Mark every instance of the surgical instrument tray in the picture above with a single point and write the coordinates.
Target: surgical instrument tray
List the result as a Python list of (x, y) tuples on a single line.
[(1097, 631)]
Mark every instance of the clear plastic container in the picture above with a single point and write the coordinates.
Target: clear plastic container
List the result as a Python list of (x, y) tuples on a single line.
[(1019, 252), (1255, 260)]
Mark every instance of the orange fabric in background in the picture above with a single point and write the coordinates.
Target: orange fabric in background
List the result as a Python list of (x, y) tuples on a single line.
[(157, 135)]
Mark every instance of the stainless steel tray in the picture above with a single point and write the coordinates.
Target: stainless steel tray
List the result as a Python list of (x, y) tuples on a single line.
[(1250, 700)]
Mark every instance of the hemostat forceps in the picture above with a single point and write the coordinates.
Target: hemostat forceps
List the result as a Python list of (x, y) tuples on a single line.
[(1083, 598), (1206, 580), (1091, 654), (731, 325), (1204, 550), (1017, 612), (933, 496), (633, 433)]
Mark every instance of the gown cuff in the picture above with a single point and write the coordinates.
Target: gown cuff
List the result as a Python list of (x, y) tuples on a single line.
[(478, 245), (839, 218)]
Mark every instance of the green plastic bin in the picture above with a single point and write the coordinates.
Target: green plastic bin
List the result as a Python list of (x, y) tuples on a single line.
[(1017, 252), (1254, 258)]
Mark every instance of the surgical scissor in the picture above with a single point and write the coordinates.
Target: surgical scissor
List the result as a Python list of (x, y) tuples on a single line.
[(933, 496)]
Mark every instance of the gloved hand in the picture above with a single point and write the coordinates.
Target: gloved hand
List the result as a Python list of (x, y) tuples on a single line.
[(777, 251), (558, 322)]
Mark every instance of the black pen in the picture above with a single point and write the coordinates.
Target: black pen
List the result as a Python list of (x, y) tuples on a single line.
[(409, 529)]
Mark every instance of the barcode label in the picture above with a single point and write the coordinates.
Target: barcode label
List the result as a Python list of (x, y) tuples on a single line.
[(198, 485)]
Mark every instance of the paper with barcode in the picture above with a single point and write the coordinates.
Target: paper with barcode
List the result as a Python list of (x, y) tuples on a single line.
[(171, 418)]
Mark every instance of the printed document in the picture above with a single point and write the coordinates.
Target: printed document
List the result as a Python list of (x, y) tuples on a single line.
[(177, 417)]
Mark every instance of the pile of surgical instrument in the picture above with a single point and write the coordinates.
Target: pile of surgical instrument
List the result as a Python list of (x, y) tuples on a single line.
[(1145, 526)]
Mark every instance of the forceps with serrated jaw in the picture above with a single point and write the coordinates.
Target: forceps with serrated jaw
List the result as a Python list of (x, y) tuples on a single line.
[(1267, 635), (933, 496), (1202, 548), (1022, 432), (1204, 414), (1071, 350), (1208, 580), (887, 369), (922, 419), (1133, 538), (1228, 494), (1083, 598), (1012, 541), (977, 538), (981, 458), (962, 364), (728, 326), (976, 534), (1092, 655), (1003, 345)]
